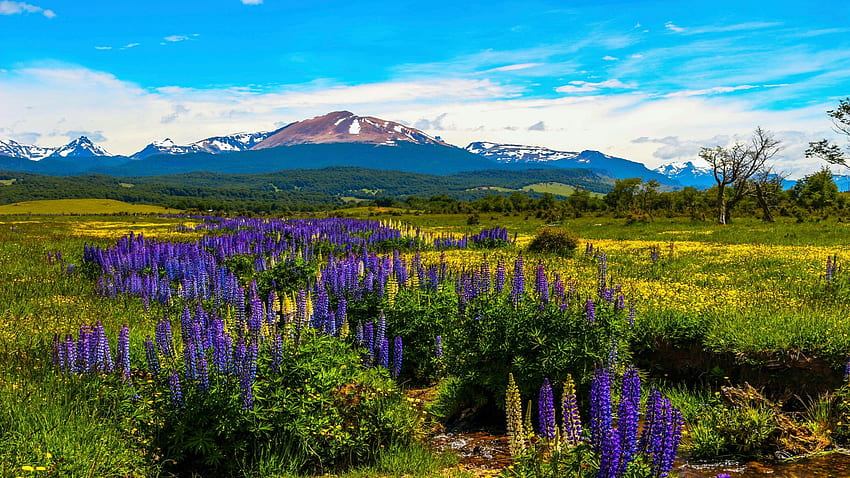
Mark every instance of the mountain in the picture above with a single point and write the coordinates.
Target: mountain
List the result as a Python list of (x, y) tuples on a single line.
[(346, 127), (405, 156), (213, 145), (81, 147), (165, 146), (233, 142), (13, 149), (516, 154), (687, 173)]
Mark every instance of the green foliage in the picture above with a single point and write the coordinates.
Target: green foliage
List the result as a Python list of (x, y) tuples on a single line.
[(554, 240), (815, 191), (324, 413), (495, 337)]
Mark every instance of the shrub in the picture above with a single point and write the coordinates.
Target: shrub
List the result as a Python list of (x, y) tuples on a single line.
[(323, 413), (555, 240)]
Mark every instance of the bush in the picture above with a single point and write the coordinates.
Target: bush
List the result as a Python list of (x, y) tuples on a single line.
[(323, 413), (555, 240)]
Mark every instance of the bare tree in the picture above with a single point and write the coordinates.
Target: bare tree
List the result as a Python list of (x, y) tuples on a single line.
[(735, 167)]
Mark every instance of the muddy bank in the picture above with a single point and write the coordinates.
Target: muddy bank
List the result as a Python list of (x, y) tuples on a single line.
[(777, 374)]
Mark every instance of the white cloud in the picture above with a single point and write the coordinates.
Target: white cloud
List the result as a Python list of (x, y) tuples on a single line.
[(584, 86), (103, 48), (130, 45), (14, 8), (252, 2), (55, 99), (636, 56), (673, 28), (514, 67), (711, 91), (610, 58), (175, 38)]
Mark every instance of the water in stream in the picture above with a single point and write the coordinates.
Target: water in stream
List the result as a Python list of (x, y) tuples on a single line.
[(482, 450)]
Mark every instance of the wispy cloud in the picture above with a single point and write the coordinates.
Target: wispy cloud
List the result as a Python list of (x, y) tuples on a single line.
[(514, 67), (673, 28), (103, 48), (15, 8), (175, 38), (130, 45), (252, 2), (731, 28), (610, 58), (710, 91), (584, 86)]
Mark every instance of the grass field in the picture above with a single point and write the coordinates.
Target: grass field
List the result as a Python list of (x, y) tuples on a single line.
[(82, 206), (748, 290)]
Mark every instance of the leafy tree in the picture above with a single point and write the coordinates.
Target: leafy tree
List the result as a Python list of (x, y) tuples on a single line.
[(816, 191), (622, 198), (829, 152)]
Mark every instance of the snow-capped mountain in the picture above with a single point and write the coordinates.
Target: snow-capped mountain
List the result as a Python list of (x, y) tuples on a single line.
[(81, 147), (213, 145), (233, 142), (13, 149), (687, 173), (538, 156), (166, 146), (346, 127), (517, 153)]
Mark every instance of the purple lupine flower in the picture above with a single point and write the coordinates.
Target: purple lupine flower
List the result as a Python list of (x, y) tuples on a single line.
[(541, 284), (190, 370), (398, 355), (847, 370), (151, 356), (176, 393), (649, 419), (518, 284), (165, 338), (384, 353), (546, 411), (632, 313), (124, 351), (609, 460), (572, 420), (438, 347), (500, 276), (723, 475), (246, 364), (601, 420), (255, 316), (628, 416), (203, 371), (672, 438), (590, 311)]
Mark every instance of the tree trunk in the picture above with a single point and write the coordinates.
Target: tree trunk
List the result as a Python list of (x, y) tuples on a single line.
[(721, 204), (767, 216)]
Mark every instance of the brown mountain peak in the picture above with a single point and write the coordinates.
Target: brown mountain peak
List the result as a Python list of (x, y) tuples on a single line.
[(346, 127)]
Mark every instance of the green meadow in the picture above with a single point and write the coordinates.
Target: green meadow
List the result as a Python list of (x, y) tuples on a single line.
[(744, 302)]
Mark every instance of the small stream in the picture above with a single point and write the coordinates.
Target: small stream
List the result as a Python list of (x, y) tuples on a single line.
[(485, 451)]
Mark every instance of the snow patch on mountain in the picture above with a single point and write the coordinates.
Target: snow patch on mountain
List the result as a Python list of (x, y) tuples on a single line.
[(517, 153), (81, 147), (13, 149)]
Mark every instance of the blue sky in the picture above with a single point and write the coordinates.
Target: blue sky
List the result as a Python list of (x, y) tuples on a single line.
[(651, 81)]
